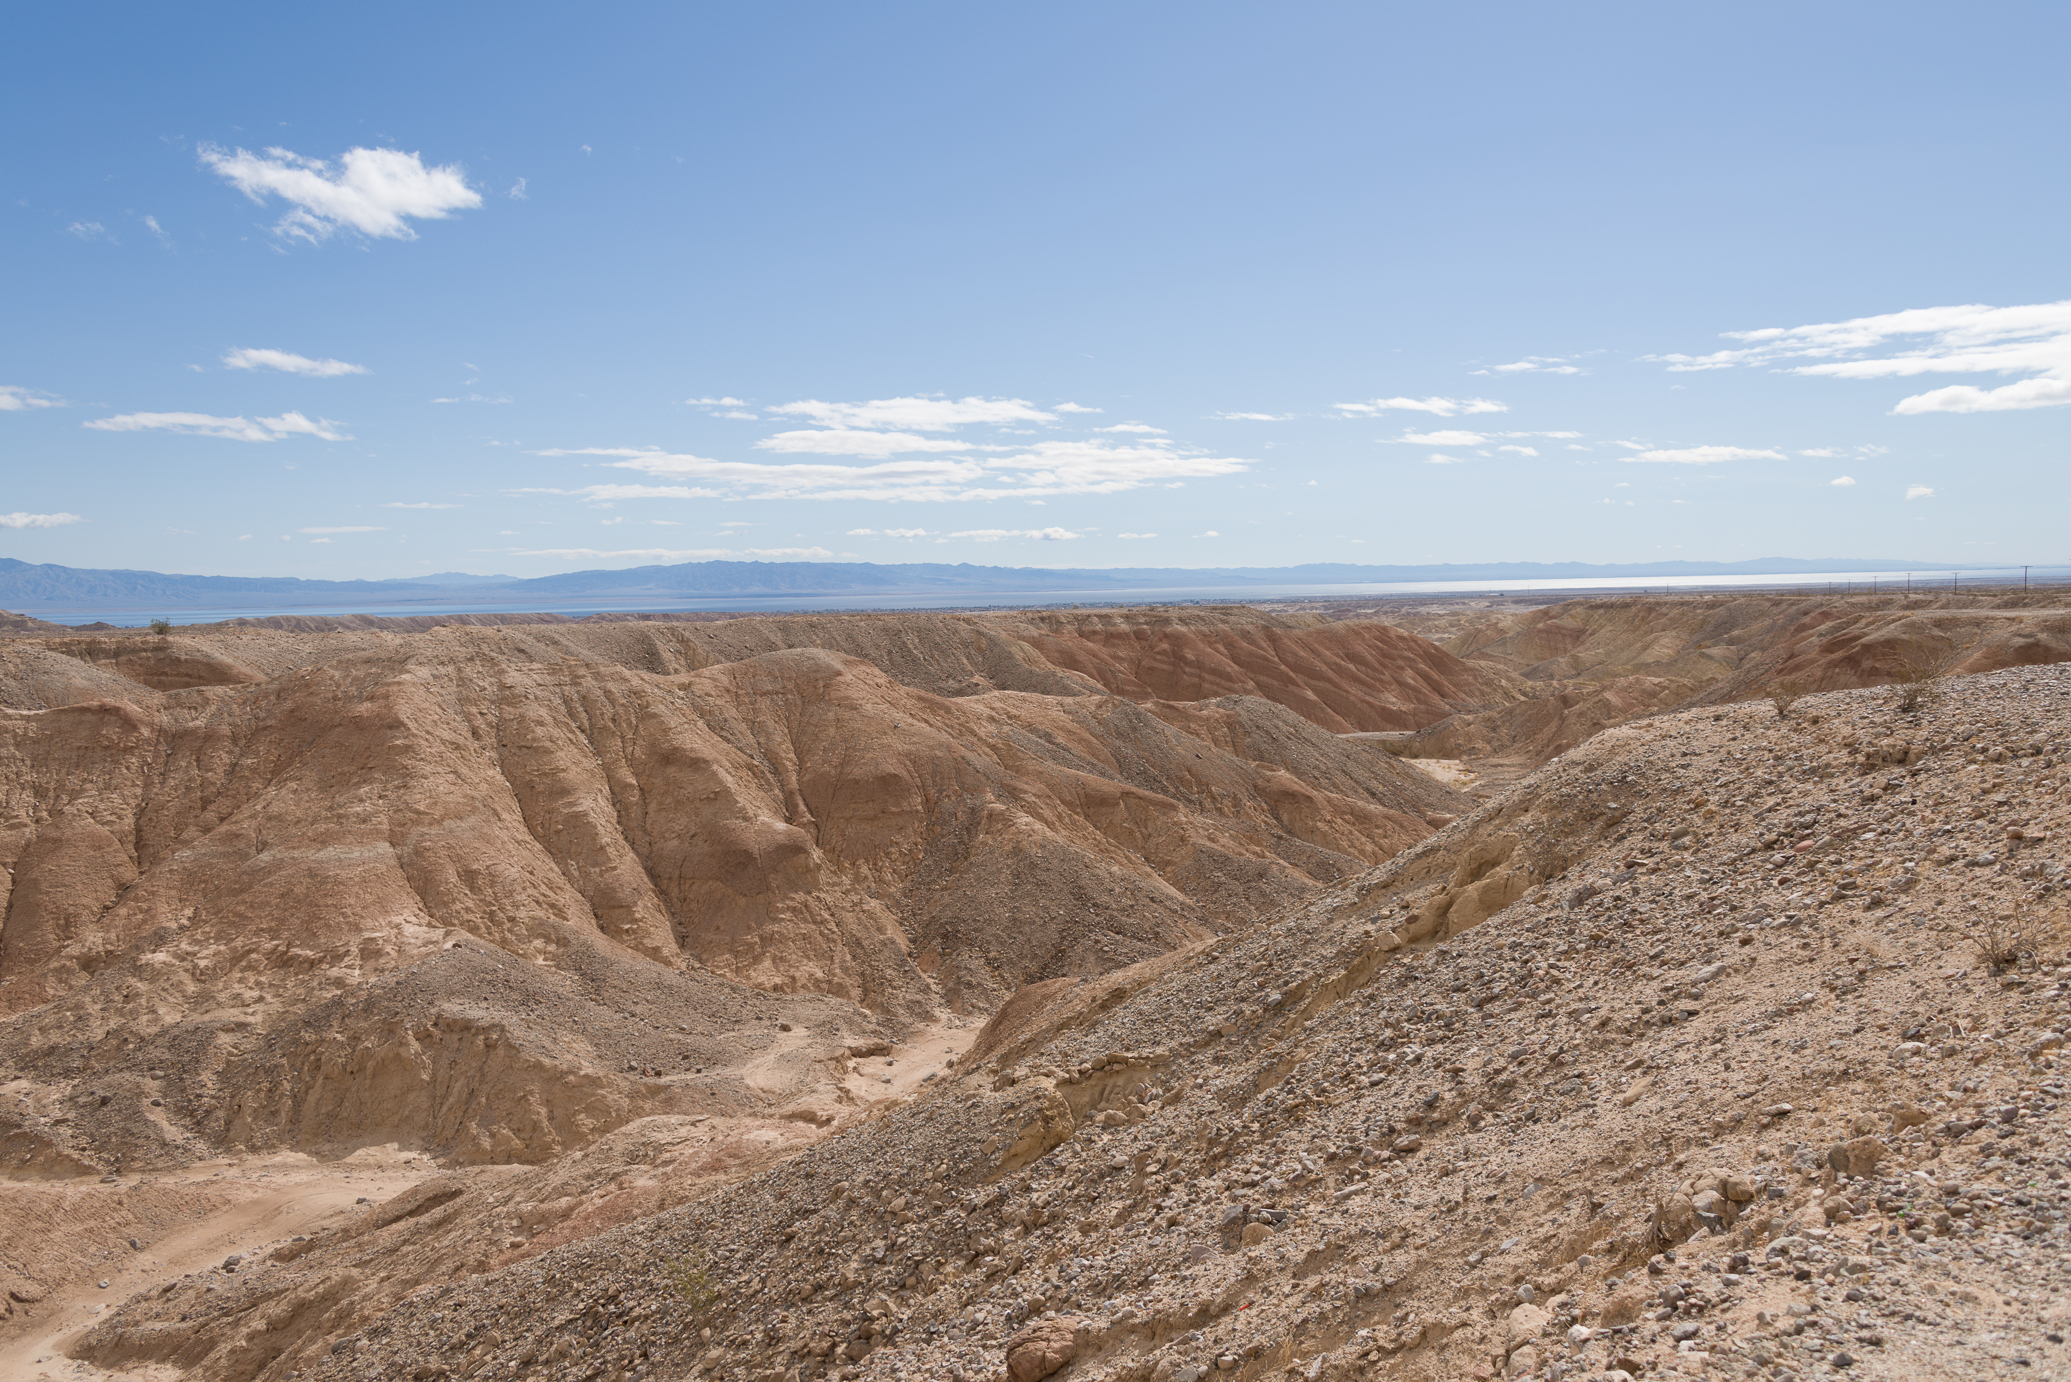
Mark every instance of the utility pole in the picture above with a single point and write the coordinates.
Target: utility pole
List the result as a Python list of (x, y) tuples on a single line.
[(2024, 580)]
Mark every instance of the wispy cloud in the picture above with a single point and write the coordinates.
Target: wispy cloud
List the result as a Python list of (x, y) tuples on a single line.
[(1520, 450), (1252, 417), (475, 398), (16, 399), (1141, 429), (230, 428), (1135, 535), (2034, 340), (38, 520), (1832, 453), (420, 506), (997, 534), (376, 192), (735, 408), (1706, 455), (914, 414), (1074, 408), (290, 363), (1441, 438), (352, 528), (1536, 364), (90, 230), (1842, 480), (1436, 458), (1045, 468), (888, 532), (1442, 407), (1919, 491), (845, 441), (674, 554)]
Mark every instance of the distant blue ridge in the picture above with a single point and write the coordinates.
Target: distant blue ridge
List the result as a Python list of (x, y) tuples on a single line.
[(31, 587)]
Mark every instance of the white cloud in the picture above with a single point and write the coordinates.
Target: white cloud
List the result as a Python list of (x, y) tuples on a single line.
[(918, 414), (517, 192), (848, 442), (1536, 364), (1629, 445), (1046, 468), (16, 399), (889, 532), (1211, 533), (1135, 535), (373, 191), (724, 407), (232, 428), (1842, 480), (89, 230), (1918, 491), (475, 398), (1520, 450), (290, 363), (995, 534), (1443, 407), (1824, 453), (420, 506), (351, 529), (1075, 408), (2033, 340), (151, 224), (1251, 417), (1439, 438), (1436, 459), (38, 520), (1706, 455), (673, 554), (611, 494), (1138, 427)]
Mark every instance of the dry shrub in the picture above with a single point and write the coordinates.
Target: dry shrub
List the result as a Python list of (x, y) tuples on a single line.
[(1784, 695), (2001, 942), (1918, 682)]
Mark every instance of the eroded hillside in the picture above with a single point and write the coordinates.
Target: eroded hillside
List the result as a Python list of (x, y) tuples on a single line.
[(1590, 664), (1681, 1056), (291, 889)]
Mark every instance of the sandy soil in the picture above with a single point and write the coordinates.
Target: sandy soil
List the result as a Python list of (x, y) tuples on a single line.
[(273, 1200), (903, 1068)]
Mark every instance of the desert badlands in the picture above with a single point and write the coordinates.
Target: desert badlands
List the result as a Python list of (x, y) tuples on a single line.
[(1627, 988)]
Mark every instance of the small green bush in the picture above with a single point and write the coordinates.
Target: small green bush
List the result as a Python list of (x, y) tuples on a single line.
[(694, 1286), (161, 626)]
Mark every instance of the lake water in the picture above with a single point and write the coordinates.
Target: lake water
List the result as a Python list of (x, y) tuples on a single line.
[(767, 604)]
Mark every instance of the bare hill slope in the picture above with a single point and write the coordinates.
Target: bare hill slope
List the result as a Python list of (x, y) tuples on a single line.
[(367, 886), (1677, 1057)]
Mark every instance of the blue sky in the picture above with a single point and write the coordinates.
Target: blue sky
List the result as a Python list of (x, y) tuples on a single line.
[(383, 290)]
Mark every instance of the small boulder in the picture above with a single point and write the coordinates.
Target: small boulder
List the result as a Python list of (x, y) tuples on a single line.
[(1525, 1324), (1622, 1308), (1042, 1348), (1675, 1220), (1254, 1234), (1857, 1156)]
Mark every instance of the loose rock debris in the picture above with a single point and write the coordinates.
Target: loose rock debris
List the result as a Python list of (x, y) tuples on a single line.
[(1686, 1056)]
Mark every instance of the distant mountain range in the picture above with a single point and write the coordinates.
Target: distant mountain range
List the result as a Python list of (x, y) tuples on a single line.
[(48, 589)]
